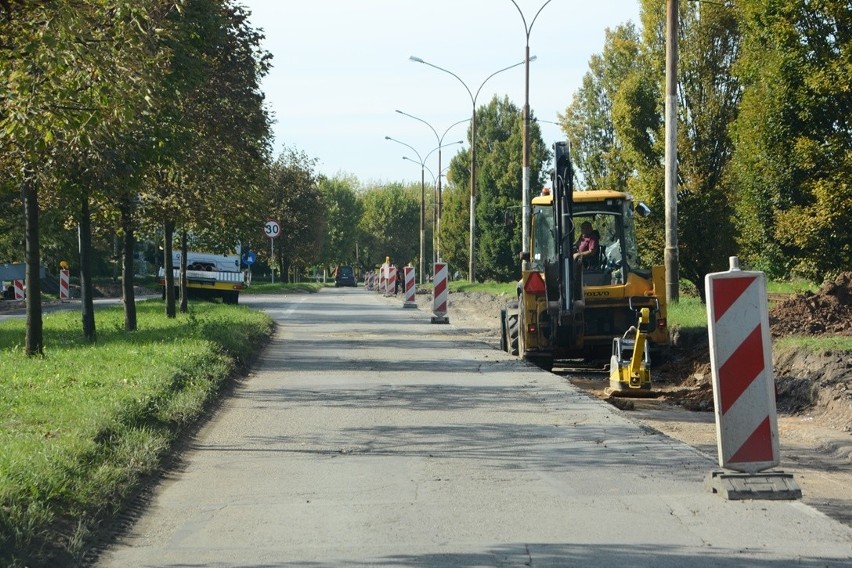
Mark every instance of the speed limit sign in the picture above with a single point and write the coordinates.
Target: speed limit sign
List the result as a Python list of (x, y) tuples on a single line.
[(272, 229)]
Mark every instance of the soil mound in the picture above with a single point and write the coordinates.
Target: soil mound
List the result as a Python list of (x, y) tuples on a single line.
[(828, 311)]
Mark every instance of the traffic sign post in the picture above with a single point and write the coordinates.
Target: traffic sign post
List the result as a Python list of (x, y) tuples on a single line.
[(248, 259), (272, 230)]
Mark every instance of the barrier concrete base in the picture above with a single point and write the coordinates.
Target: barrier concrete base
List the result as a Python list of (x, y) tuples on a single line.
[(440, 319), (766, 485)]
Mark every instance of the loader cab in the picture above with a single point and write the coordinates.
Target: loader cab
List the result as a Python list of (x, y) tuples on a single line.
[(610, 214)]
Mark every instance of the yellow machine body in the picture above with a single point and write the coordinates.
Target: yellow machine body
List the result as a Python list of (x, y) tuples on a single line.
[(630, 364)]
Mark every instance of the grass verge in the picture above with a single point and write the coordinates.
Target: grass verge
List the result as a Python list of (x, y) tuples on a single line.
[(81, 427), (815, 344), (284, 288), (490, 287), (689, 312)]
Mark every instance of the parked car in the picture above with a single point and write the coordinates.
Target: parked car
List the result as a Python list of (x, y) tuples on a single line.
[(344, 276)]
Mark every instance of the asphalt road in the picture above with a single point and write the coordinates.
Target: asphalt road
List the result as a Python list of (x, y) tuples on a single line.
[(368, 436)]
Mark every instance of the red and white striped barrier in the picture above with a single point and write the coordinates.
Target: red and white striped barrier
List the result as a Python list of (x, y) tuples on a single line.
[(391, 281), (64, 285), (19, 289), (410, 289), (741, 364), (440, 294)]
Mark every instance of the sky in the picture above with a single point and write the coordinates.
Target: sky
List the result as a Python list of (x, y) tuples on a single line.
[(341, 70)]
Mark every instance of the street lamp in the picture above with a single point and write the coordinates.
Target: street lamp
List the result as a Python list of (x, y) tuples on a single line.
[(422, 162), (439, 198), (422, 204), (422, 190), (436, 183), (470, 268), (525, 184)]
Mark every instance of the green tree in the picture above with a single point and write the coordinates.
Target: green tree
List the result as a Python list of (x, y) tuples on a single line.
[(499, 156), (390, 224), (210, 133), (293, 198), (343, 215), (66, 67), (708, 99), (597, 153), (793, 161)]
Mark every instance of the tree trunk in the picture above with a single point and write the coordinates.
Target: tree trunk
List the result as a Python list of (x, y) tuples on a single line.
[(285, 269), (169, 233), (84, 233), (35, 331), (128, 296), (184, 285)]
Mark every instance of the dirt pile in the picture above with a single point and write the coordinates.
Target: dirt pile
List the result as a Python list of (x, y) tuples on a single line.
[(827, 312), (806, 382)]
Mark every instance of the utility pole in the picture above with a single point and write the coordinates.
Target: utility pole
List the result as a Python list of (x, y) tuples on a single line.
[(525, 180), (671, 250)]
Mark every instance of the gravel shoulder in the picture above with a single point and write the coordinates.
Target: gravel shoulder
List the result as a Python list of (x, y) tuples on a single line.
[(815, 404)]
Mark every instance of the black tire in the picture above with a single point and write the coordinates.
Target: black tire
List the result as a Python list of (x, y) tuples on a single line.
[(504, 341), (512, 332)]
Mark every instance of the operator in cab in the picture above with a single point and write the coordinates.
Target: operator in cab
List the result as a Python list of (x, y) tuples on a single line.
[(588, 243)]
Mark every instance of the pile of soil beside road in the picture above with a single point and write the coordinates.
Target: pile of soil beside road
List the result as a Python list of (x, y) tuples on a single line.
[(807, 382), (827, 312)]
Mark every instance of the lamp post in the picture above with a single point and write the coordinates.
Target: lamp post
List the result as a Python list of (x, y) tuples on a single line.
[(434, 207), (422, 204), (470, 267), (525, 184), (435, 183), (439, 197)]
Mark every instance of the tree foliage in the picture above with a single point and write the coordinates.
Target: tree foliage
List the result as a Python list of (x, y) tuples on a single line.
[(793, 162), (343, 211), (292, 197), (142, 107), (764, 138), (623, 94), (588, 121), (389, 224), (499, 176), (72, 70)]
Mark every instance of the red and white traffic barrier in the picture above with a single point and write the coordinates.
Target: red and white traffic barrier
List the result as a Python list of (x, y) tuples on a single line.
[(410, 288), (19, 289), (391, 282), (741, 363), (440, 293), (64, 285), (744, 386)]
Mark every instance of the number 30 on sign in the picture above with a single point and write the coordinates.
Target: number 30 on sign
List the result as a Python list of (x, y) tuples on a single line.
[(272, 229)]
